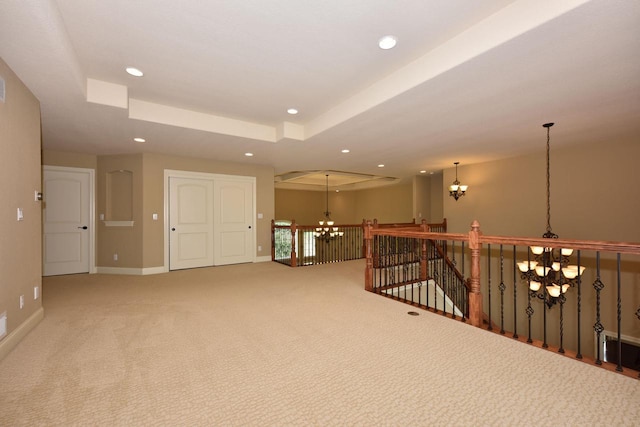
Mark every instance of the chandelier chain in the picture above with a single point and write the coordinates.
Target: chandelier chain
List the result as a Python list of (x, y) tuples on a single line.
[(548, 185)]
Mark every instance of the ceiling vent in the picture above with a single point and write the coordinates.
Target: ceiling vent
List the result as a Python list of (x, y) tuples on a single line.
[(1, 90)]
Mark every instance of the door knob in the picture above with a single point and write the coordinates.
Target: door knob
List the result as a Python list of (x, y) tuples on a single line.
[(84, 227), (249, 226), (173, 229)]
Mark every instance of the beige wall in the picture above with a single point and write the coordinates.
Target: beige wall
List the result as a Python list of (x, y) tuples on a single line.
[(436, 207), (142, 245), (389, 204), (303, 207), (594, 196), (393, 203), (21, 248), (71, 160), (594, 193), (153, 171), (126, 242)]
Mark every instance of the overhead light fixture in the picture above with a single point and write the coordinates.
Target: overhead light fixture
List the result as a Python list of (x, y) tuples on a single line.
[(134, 72), (292, 111), (457, 190), (139, 139), (248, 154), (423, 171), (345, 151), (549, 275), (380, 165), (387, 42), (327, 231)]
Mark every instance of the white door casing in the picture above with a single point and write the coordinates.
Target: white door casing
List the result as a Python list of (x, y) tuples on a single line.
[(233, 221), (68, 223), (190, 222)]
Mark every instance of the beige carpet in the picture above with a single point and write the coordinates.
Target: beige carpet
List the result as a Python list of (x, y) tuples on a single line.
[(265, 344)]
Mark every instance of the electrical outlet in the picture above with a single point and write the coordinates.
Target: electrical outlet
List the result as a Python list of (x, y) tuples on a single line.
[(259, 248), (36, 292), (21, 302), (115, 257)]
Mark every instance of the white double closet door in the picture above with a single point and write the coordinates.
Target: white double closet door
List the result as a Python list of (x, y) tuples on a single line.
[(210, 219)]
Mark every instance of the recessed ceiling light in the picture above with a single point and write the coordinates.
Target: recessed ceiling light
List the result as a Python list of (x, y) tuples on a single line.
[(380, 165), (248, 154), (387, 42), (134, 72), (139, 139), (345, 151), (292, 111), (423, 171)]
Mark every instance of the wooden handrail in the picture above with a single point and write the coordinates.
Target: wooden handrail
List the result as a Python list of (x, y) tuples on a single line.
[(475, 241)]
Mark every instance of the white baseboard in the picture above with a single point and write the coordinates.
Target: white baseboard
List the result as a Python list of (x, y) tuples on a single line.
[(12, 340), (131, 271), (152, 270)]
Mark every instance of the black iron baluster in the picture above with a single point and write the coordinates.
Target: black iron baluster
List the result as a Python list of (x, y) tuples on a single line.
[(638, 316), (597, 327), (462, 249), (450, 273), (431, 269), (441, 282), (619, 367), (502, 288), (579, 303), (529, 309), (562, 301), (544, 324), (489, 284), (515, 305), (420, 261)]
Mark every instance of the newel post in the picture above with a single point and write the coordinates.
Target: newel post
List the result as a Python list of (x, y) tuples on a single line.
[(368, 244), (475, 297), (294, 257)]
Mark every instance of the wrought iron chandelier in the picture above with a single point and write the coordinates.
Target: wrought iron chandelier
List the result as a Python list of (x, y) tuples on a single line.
[(457, 190), (549, 275), (327, 231)]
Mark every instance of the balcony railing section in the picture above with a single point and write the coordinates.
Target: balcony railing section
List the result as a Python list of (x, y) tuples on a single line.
[(297, 245), (418, 267), (595, 319)]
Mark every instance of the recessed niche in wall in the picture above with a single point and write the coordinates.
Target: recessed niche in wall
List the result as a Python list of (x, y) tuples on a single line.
[(119, 212)]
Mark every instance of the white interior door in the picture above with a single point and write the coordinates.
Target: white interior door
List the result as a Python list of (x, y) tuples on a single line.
[(233, 219), (190, 223), (66, 222)]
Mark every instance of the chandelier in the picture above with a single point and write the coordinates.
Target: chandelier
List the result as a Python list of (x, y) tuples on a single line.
[(457, 190), (327, 231), (549, 275)]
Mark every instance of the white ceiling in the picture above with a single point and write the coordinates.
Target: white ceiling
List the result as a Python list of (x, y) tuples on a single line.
[(469, 81)]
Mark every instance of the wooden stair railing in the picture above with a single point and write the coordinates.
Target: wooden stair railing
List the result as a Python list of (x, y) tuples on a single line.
[(292, 245), (591, 251)]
